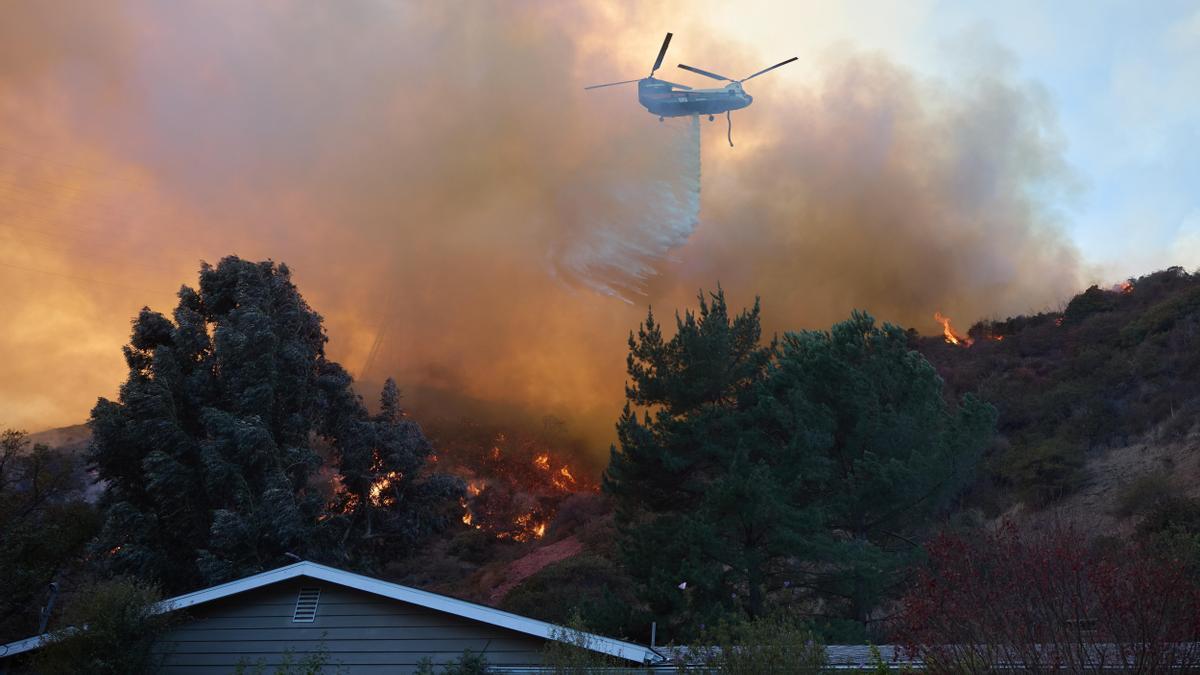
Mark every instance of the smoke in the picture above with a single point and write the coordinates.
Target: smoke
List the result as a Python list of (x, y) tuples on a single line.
[(464, 215)]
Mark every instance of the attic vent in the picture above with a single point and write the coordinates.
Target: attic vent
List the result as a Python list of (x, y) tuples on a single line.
[(306, 605)]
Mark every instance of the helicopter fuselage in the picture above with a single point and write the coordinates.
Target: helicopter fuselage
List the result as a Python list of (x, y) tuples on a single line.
[(663, 99)]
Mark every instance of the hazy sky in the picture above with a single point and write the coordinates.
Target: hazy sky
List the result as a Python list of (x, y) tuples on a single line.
[(444, 189)]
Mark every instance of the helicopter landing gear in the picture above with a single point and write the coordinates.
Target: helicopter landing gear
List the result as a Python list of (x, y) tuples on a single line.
[(661, 118), (711, 118)]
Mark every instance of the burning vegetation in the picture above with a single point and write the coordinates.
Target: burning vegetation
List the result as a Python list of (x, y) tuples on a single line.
[(948, 331), (515, 481)]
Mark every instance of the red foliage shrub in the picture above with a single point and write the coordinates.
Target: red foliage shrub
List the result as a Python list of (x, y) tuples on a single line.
[(1049, 603)]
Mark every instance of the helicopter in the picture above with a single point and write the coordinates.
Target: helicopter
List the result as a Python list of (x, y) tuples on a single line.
[(668, 99)]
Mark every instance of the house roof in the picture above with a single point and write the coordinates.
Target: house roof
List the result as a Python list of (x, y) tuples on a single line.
[(489, 615)]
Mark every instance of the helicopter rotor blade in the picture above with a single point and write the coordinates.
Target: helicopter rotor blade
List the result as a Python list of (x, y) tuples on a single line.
[(661, 53), (610, 84), (765, 70), (705, 73)]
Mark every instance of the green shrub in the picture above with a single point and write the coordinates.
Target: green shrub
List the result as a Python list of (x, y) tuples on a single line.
[(587, 585), (121, 629), (568, 653), (469, 663), (473, 546), (1043, 472), (1144, 493), (775, 644)]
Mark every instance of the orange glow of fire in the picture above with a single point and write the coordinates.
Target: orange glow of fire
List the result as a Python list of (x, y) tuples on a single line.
[(468, 518), (563, 480), (530, 529), (379, 487), (948, 332), (1124, 288), (350, 505), (474, 488), (542, 462)]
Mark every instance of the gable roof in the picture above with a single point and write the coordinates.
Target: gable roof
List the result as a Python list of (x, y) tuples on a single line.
[(489, 615)]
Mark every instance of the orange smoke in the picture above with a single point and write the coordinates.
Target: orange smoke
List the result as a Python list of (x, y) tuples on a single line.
[(402, 160)]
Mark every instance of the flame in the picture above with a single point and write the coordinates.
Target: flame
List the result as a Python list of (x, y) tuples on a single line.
[(529, 528), (1124, 288), (495, 452), (1058, 321), (563, 480), (951, 337), (468, 518), (542, 462), (378, 488), (474, 488)]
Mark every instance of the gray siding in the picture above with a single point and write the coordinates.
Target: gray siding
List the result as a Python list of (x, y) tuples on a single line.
[(360, 633)]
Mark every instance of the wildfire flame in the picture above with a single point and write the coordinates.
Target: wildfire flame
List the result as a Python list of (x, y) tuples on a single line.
[(468, 518), (378, 494), (530, 528), (1124, 288), (563, 480), (948, 332), (542, 462)]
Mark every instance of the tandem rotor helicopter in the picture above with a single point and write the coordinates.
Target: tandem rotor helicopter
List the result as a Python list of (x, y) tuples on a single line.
[(668, 99)]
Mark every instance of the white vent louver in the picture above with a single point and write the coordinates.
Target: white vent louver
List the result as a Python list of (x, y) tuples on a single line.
[(306, 605)]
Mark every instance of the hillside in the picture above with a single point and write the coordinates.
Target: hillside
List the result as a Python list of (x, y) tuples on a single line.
[(1117, 368), (1097, 406)]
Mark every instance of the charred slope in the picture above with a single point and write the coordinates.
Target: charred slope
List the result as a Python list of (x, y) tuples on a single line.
[(1113, 366)]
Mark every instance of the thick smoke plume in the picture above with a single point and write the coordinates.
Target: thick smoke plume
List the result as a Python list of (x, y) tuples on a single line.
[(456, 205)]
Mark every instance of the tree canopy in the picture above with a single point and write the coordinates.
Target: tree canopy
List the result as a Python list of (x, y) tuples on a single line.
[(757, 471), (213, 454), (45, 526)]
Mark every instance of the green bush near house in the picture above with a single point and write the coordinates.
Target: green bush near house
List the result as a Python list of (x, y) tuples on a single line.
[(120, 634)]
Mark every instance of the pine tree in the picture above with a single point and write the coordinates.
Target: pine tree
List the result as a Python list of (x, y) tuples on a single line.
[(386, 503), (699, 516), (764, 471), (210, 454), (885, 452)]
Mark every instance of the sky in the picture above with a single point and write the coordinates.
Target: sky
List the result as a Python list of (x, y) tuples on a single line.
[(469, 220)]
